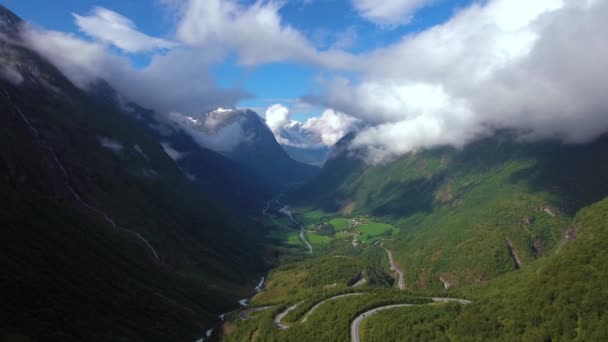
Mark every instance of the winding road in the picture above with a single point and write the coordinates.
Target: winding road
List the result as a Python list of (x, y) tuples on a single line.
[(355, 326), (285, 211), (327, 300), (395, 268), (279, 318)]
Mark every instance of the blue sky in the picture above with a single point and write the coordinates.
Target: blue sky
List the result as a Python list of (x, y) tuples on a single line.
[(322, 21), (409, 74)]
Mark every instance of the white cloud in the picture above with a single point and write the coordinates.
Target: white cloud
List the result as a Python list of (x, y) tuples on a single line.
[(218, 133), (277, 116), (316, 132), (331, 126), (534, 67), (256, 32), (159, 86), (389, 12), (110, 27), (171, 152), (537, 67)]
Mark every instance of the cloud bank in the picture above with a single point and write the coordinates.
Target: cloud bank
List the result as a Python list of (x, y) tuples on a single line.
[(534, 67)]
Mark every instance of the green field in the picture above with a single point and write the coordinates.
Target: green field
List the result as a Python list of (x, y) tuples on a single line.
[(310, 218), (340, 223), (318, 240), (374, 231)]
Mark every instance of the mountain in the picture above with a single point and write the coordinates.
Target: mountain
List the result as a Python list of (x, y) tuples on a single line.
[(561, 297), (469, 215), (105, 238), (243, 136), (231, 183)]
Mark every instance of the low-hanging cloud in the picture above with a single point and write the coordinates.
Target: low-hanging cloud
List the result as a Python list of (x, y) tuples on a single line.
[(160, 85), (538, 68), (315, 132), (213, 132)]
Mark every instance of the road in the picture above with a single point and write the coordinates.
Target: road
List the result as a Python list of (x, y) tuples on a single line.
[(361, 280), (395, 268), (327, 300), (285, 211), (356, 324), (279, 318)]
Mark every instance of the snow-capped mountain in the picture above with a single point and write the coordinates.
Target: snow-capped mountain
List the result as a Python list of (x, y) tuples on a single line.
[(309, 141), (244, 136)]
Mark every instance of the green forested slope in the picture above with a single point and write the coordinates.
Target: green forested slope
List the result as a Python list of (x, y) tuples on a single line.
[(465, 214), (562, 297), (68, 273)]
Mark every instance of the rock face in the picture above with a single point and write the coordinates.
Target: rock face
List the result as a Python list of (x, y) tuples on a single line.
[(9, 22)]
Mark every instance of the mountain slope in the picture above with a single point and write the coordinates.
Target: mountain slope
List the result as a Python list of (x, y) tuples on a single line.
[(559, 298), (466, 216), (105, 239), (231, 183), (256, 146)]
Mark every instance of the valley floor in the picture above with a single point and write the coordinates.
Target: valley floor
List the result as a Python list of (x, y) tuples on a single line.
[(350, 288), (345, 270)]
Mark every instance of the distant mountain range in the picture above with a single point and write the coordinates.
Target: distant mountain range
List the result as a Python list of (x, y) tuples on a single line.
[(243, 136)]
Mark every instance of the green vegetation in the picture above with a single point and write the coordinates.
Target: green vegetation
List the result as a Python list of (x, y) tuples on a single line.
[(285, 236), (374, 231), (561, 297), (461, 215), (70, 275), (311, 218), (340, 223), (330, 322), (417, 323), (318, 241)]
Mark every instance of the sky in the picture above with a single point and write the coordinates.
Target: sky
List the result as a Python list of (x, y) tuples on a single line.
[(325, 22), (407, 74)]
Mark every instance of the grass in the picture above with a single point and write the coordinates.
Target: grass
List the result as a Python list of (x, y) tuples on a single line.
[(311, 218), (374, 231), (340, 223), (455, 209), (285, 236), (318, 240)]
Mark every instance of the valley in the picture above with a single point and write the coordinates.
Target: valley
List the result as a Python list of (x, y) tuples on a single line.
[(252, 171), (374, 274)]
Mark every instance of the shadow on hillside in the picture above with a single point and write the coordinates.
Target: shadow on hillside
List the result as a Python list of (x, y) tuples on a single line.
[(576, 174), (405, 199)]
